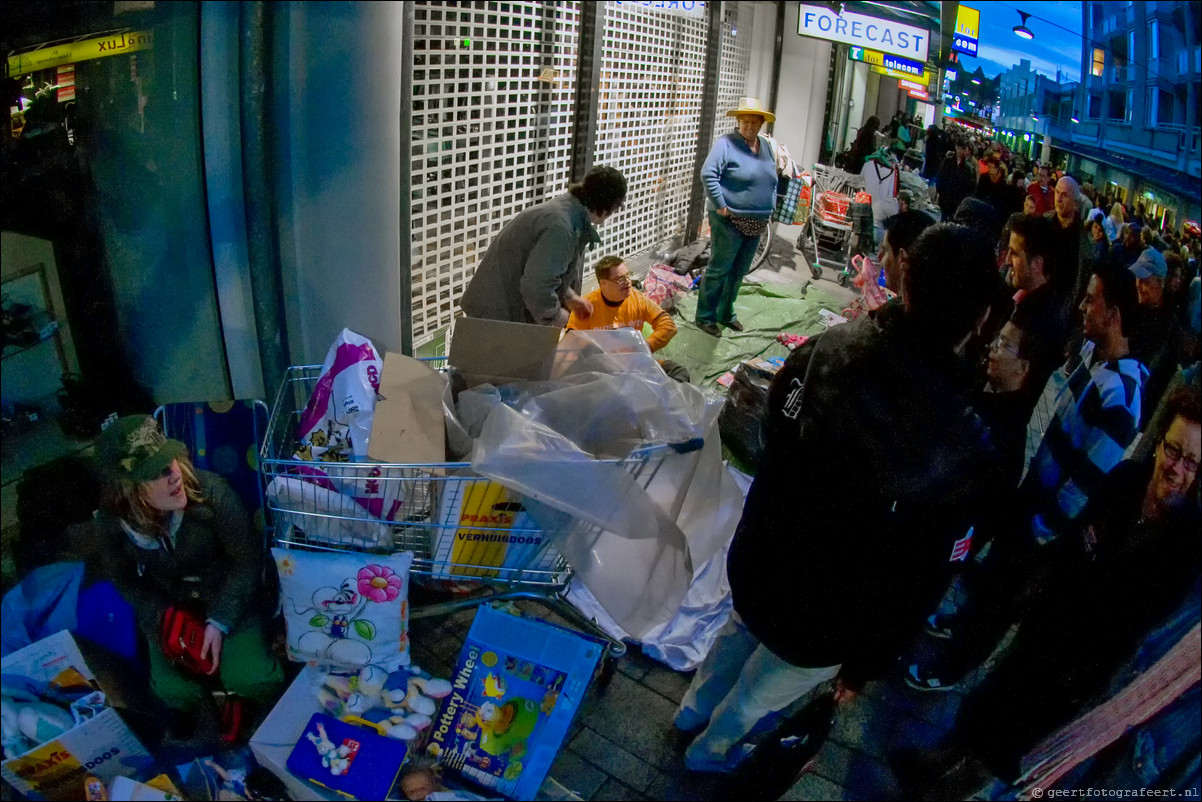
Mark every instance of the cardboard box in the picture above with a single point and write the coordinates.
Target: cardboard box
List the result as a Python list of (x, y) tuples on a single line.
[(408, 425), (276, 737), (102, 746), (516, 687), (498, 352)]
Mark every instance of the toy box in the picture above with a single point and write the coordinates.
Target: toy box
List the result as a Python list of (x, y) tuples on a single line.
[(101, 746), (348, 759), (284, 727), (517, 685), (486, 528)]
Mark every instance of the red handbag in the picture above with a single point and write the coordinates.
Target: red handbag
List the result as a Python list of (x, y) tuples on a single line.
[(183, 638)]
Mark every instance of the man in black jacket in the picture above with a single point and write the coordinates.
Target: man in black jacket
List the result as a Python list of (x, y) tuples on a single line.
[(823, 582), (957, 178)]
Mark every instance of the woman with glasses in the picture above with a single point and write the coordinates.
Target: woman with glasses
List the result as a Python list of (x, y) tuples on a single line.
[(1133, 567)]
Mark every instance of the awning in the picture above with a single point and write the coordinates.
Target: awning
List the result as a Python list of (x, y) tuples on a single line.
[(1180, 184)]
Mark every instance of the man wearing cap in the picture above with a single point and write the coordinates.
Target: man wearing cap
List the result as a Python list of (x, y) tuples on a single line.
[(739, 177), (174, 536), (533, 269), (1157, 331)]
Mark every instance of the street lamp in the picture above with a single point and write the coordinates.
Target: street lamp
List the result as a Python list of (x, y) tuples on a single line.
[(1021, 30)]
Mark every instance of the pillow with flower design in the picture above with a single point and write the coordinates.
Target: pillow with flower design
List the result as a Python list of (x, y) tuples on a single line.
[(346, 609)]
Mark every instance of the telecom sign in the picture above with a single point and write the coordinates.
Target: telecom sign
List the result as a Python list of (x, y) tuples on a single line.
[(850, 28), (968, 28), (887, 61)]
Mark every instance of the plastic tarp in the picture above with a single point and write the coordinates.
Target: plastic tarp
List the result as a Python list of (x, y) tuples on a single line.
[(764, 310), (632, 529)]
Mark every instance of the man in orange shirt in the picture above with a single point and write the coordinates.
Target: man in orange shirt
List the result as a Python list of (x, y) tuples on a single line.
[(618, 305)]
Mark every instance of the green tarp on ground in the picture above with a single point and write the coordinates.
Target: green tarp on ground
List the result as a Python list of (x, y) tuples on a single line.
[(765, 310)]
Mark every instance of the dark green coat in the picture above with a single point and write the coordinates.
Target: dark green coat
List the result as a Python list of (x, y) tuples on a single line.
[(215, 544)]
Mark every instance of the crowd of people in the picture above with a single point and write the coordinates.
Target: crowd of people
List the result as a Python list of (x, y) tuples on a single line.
[(1078, 524), (1034, 293)]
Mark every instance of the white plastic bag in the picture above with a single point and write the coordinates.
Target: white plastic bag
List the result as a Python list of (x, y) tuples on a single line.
[(336, 423)]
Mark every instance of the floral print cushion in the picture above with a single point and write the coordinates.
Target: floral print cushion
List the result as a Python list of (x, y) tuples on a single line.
[(346, 609)]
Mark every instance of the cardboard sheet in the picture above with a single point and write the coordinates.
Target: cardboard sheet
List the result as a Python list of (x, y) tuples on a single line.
[(498, 352), (408, 425)]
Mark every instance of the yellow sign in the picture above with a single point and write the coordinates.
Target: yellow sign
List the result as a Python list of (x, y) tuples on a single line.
[(114, 44), (968, 22)]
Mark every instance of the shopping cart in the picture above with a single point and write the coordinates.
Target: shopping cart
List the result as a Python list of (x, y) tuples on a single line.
[(828, 225), (426, 506)]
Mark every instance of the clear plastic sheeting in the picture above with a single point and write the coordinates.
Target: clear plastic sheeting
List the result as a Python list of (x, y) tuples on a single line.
[(569, 444)]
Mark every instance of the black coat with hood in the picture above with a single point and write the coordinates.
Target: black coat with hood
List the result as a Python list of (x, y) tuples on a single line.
[(875, 468)]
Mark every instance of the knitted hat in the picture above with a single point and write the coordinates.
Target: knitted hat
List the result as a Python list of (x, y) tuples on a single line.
[(133, 448)]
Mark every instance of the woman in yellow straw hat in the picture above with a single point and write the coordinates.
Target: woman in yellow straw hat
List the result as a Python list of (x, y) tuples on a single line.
[(740, 186)]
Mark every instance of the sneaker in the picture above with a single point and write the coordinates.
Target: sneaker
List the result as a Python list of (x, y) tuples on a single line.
[(936, 628), (710, 328), (714, 765), (919, 680), (689, 720), (734, 325)]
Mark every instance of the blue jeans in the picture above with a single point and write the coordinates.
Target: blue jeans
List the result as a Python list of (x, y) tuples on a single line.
[(730, 259), (739, 683)]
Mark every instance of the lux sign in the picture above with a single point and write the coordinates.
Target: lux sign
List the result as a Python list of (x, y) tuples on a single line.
[(860, 29)]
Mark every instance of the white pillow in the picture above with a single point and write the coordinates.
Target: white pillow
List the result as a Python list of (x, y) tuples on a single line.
[(346, 609)]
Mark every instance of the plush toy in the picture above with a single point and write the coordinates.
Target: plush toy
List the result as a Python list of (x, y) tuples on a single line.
[(399, 705), (14, 742), (41, 721)]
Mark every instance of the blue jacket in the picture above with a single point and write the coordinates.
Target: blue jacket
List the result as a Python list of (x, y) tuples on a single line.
[(738, 179)]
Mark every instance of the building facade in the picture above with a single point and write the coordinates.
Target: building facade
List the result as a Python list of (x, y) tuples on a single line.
[(1138, 135)]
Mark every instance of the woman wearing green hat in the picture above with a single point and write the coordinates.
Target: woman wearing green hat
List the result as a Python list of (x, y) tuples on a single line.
[(177, 537), (739, 176)]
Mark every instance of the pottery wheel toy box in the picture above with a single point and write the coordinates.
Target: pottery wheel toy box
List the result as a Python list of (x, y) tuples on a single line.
[(502, 719), (59, 726)]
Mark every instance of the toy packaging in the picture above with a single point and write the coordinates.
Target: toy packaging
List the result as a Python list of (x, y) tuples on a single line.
[(516, 686), (493, 531), (351, 760), (59, 726)]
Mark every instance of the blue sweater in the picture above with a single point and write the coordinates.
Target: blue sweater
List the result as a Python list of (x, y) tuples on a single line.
[(739, 180)]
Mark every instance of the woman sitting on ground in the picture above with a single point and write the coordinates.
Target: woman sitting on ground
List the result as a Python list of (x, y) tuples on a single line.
[(172, 536)]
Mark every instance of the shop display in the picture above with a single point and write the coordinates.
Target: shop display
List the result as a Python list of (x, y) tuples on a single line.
[(344, 608), (516, 687)]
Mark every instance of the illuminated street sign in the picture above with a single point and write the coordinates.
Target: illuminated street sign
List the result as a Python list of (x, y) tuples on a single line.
[(968, 29)]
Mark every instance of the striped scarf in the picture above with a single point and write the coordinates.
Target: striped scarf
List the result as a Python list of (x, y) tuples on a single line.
[(1144, 697)]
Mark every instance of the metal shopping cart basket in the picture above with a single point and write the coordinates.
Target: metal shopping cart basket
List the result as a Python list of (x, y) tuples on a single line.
[(828, 225), (425, 508)]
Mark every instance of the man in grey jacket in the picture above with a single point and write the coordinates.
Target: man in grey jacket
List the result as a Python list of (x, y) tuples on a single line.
[(532, 270)]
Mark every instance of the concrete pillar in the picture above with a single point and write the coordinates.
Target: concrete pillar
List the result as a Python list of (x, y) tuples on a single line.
[(872, 89)]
